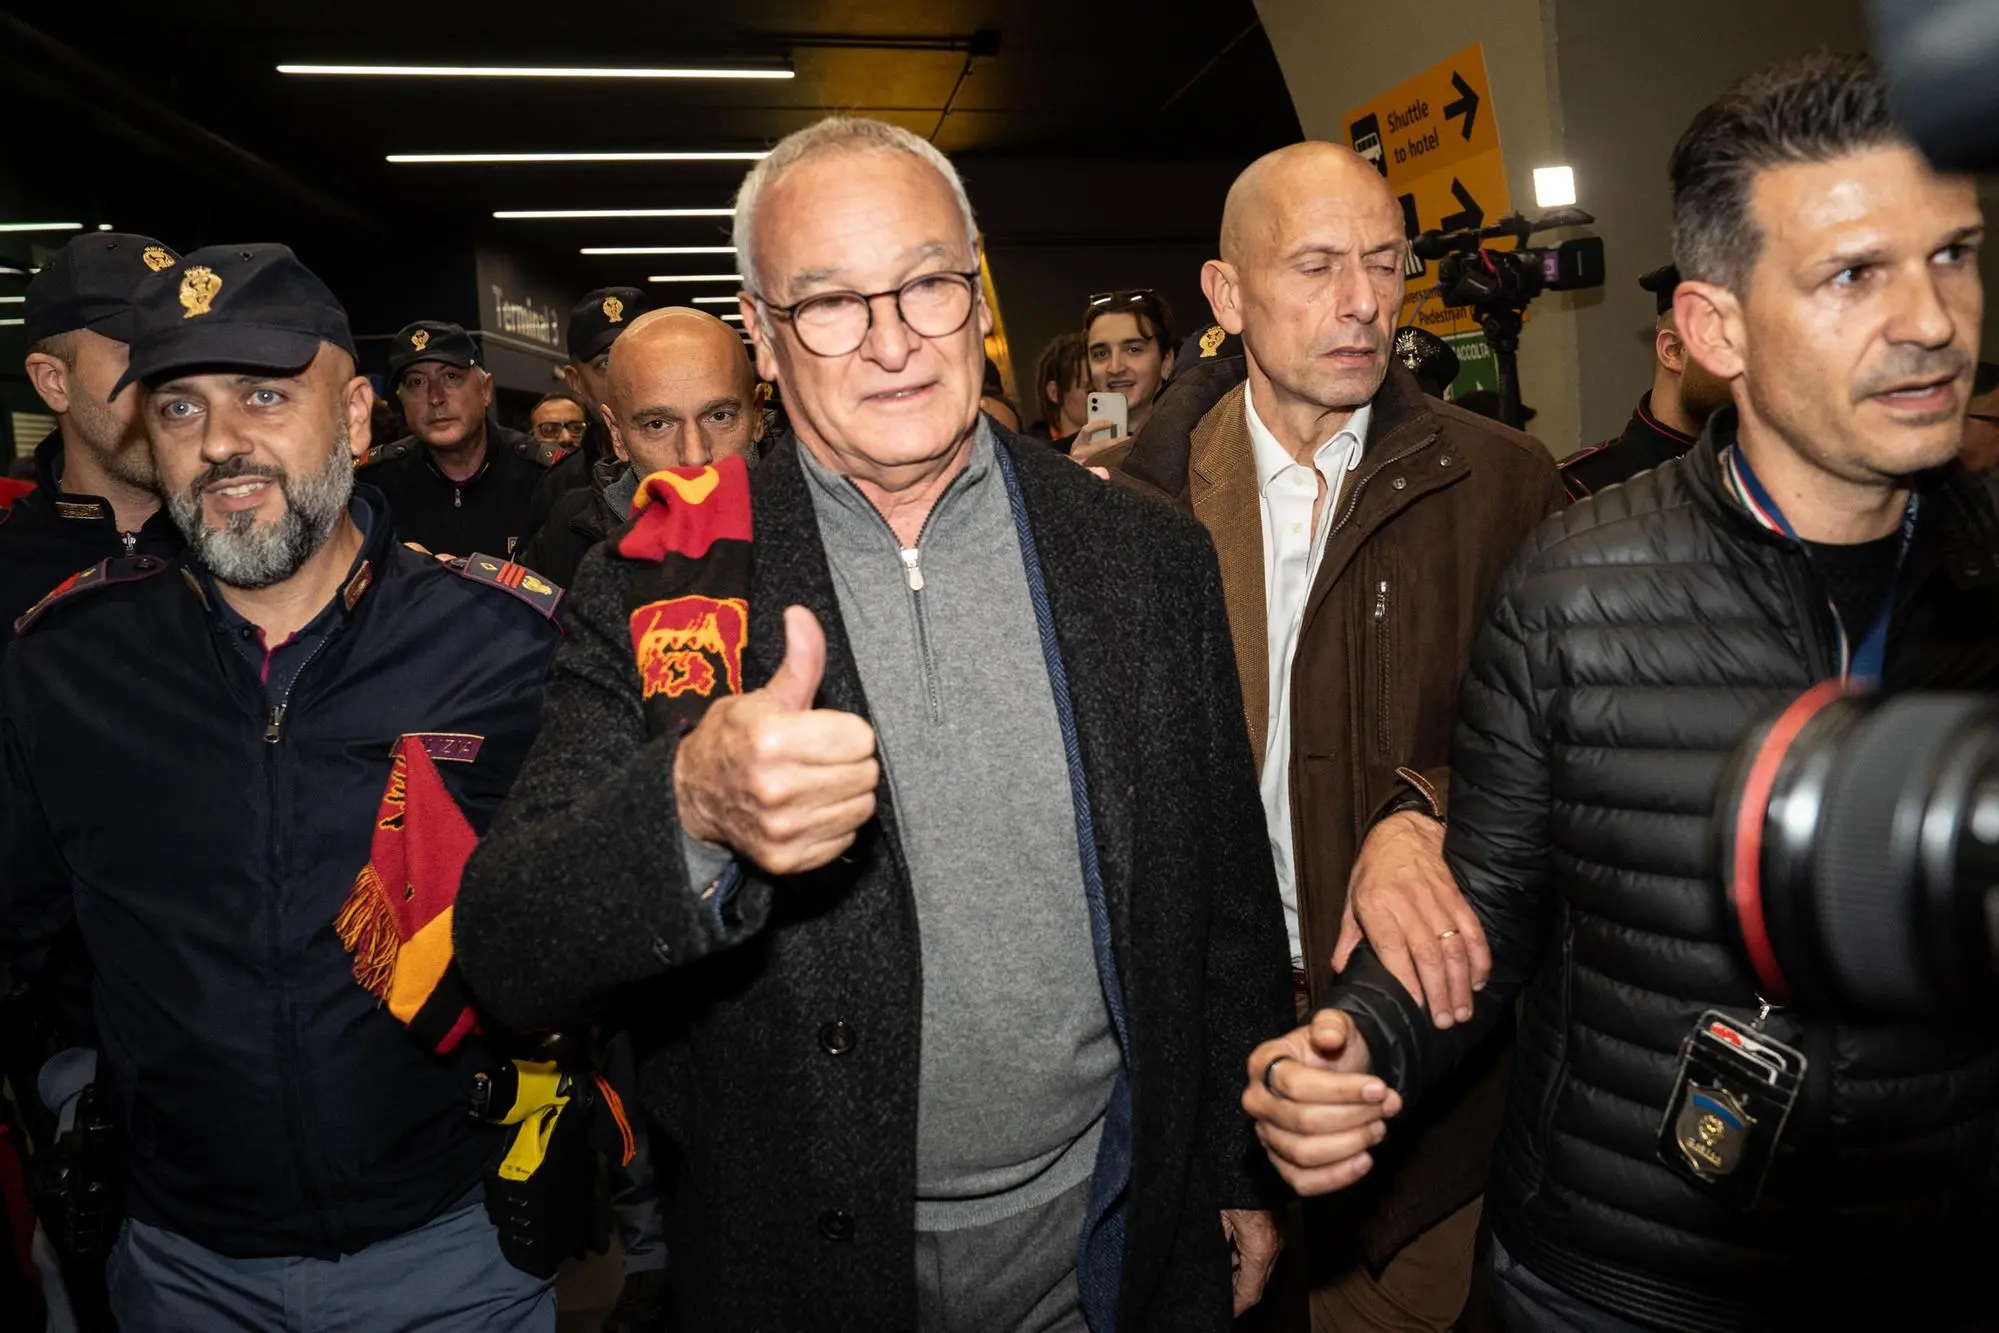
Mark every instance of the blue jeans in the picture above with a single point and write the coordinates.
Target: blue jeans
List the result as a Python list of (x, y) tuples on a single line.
[(1528, 1305), (447, 1276)]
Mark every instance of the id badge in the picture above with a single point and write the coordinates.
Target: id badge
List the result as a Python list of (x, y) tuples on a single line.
[(1731, 1096)]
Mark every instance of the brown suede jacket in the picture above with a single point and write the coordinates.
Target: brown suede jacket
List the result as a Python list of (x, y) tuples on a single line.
[(1423, 528)]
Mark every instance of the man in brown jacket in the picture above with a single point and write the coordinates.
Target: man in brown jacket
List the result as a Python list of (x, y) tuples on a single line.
[(1361, 528)]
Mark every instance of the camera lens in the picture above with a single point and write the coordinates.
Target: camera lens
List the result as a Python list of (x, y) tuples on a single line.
[(1858, 839)]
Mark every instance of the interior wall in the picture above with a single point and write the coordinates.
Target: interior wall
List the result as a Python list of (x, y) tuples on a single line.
[(1338, 53), (1632, 77)]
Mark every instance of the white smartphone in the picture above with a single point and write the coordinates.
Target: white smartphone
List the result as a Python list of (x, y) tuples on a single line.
[(1110, 407)]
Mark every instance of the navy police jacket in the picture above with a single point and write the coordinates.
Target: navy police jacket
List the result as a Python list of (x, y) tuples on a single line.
[(269, 1105)]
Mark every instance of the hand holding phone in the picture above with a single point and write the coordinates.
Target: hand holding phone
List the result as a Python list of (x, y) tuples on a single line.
[(1110, 408)]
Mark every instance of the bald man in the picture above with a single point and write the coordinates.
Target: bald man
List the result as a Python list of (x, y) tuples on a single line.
[(679, 392), (1361, 527)]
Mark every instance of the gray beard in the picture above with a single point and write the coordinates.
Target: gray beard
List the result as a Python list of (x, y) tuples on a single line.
[(243, 553)]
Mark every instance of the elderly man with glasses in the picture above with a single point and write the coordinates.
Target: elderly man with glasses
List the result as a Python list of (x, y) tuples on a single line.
[(944, 945)]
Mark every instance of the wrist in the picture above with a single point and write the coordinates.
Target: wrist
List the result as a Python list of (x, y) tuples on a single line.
[(686, 806)]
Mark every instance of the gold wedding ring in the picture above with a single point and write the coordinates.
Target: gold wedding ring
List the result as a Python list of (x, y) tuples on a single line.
[(1447, 934)]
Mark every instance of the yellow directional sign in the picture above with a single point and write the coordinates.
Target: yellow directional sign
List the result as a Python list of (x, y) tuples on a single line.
[(1436, 139)]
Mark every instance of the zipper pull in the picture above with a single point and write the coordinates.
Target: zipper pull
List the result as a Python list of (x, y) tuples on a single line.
[(1381, 600), (131, 540), (457, 498), (274, 725), (912, 569)]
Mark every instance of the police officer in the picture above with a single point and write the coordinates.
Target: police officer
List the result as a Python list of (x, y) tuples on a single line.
[(1668, 419), (595, 323), (293, 1152), (94, 496), (459, 482)]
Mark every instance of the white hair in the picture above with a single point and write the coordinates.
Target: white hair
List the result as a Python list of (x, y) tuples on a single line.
[(836, 134)]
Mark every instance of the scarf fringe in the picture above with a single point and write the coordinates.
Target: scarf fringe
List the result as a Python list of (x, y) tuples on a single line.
[(367, 927)]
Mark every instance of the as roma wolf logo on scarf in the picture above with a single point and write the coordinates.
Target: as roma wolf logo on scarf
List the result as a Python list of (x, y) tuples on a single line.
[(689, 610), (681, 642)]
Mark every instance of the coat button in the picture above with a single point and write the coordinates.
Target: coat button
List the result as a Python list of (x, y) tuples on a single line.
[(836, 1038), (836, 1225), (662, 951), (1445, 461), (1400, 483)]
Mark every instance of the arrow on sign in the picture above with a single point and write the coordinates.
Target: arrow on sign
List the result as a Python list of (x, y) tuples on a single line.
[(1466, 105), (1472, 216)]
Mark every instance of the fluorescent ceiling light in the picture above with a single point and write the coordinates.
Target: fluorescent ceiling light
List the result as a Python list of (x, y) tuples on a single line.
[(104, 226), (537, 72), (696, 277), (699, 300), (17, 300), (41, 226), (527, 213), (732, 318), (657, 250), (13, 321), (407, 159)]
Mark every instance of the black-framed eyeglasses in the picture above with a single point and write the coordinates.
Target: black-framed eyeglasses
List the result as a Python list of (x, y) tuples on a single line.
[(935, 305), (549, 430)]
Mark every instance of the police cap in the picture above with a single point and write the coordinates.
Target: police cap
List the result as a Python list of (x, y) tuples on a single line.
[(600, 317), (90, 283), (1661, 282), (431, 340), (244, 307)]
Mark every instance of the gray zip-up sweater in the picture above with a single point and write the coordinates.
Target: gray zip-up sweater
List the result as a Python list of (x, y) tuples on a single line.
[(1018, 1055)]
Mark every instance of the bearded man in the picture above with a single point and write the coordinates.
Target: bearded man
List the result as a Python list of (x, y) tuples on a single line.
[(292, 1152)]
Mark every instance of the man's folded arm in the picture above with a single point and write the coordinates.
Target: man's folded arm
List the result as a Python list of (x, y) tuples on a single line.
[(1498, 851), (586, 881)]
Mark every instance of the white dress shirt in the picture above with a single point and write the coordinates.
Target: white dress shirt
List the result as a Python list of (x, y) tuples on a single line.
[(1292, 545)]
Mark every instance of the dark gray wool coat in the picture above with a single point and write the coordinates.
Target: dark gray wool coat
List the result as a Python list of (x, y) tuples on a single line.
[(787, 1145)]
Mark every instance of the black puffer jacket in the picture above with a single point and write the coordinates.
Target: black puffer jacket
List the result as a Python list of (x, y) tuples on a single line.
[(1633, 643)]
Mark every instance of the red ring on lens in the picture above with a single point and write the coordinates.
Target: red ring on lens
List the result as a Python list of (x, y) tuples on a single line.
[(1757, 788)]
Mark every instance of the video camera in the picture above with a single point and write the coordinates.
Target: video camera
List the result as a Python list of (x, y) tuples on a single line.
[(1499, 284), (1857, 839)]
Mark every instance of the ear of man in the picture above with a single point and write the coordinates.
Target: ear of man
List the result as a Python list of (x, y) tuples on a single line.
[(1219, 285), (1671, 349), (1711, 328), (51, 380)]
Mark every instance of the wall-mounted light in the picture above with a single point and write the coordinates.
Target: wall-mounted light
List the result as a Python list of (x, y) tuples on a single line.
[(41, 226), (697, 277)]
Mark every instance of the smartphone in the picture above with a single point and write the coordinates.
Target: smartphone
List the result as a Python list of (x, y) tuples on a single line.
[(1110, 407)]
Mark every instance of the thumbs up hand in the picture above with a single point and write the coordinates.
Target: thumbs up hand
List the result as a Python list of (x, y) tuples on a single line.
[(772, 778)]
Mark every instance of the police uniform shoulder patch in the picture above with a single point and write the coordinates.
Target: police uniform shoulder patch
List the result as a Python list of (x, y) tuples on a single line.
[(390, 452), (519, 580), (128, 569)]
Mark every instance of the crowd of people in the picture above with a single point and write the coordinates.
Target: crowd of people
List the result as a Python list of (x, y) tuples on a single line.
[(1245, 863)]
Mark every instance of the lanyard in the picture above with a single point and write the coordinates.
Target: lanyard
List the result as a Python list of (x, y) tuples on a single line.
[(1862, 664)]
